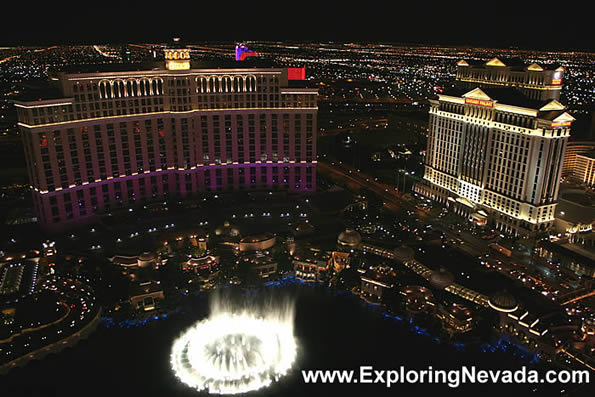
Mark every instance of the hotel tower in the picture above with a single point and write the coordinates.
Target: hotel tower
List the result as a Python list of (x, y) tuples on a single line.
[(112, 138), (496, 145)]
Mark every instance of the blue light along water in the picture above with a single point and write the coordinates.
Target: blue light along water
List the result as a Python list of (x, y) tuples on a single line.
[(335, 331)]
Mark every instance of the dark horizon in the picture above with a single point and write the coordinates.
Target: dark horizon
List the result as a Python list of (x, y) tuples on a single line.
[(496, 45), (521, 26)]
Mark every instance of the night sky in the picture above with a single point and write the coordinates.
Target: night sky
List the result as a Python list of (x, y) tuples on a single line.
[(489, 23)]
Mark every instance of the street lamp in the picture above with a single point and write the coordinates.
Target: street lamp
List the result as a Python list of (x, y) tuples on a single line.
[(405, 173)]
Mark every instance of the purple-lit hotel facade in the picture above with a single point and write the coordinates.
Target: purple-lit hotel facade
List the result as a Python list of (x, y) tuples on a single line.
[(118, 138)]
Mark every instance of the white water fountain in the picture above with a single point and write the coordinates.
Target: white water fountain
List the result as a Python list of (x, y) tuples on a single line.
[(236, 352)]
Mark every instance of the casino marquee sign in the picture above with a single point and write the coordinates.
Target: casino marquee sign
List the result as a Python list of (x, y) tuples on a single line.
[(479, 102)]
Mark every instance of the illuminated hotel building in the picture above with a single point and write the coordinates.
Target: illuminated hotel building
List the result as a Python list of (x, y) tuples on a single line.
[(584, 169), (570, 157), (535, 81), (496, 156), (114, 138)]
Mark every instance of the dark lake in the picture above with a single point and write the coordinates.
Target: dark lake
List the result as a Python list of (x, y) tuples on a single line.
[(335, 331)]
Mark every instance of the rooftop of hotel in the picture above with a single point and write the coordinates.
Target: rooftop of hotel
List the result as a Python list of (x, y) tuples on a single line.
[(506, 95), (510, 96), (37, 90), (516, 64), (159, 64), (42, 89)]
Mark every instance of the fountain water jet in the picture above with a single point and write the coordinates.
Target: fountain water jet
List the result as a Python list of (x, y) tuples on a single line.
[(236, 350)]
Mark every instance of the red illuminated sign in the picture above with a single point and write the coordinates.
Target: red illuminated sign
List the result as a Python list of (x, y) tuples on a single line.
[(247, 54), (556, 81), (562, 124), (296, 73), (479, 102)]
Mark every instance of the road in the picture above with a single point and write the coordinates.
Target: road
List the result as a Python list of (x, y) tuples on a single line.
[(81, 308), (342, 172)]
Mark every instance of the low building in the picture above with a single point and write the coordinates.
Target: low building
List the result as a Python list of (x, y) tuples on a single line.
[(261, 264), (311, 264), (375, 282), (145, 259), (339, 261), (455, 318), (17, 279), (146, 295), (227, 230), (205, 266), (529, 329), (348, 240), (49, 248), (257, 242), (575, 216), (579, 260), (199, 240), (418, 299)]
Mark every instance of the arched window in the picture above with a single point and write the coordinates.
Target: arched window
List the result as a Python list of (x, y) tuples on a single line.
[(228, 85), (200, 85), (160, 86), (102, 90), (129, 91), (143, 87), (251, 83), (119, 88)]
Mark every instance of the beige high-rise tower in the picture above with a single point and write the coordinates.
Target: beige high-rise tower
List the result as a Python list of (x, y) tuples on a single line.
[(495, 153)]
